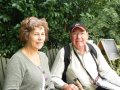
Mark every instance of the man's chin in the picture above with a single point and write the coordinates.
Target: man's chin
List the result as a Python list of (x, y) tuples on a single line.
[(80, 44)]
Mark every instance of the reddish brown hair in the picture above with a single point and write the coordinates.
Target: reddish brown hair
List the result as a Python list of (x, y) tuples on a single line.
[(29, 24)]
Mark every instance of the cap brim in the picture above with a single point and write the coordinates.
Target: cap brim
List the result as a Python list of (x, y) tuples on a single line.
[(80, 27)]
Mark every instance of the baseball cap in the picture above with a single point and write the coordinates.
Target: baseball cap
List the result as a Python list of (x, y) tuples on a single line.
[(77, 25)]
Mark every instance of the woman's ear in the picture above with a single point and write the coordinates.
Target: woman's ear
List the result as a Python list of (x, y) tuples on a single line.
[(26, 35)]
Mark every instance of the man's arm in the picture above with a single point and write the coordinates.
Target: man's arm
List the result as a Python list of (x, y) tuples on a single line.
[(58, 68), (105, 70)]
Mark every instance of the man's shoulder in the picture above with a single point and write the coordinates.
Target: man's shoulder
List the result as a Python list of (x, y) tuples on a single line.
[(93, 45)]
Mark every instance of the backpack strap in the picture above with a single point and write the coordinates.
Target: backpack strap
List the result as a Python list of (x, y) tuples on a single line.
[(94, 55), (92, 50), (66, 61)]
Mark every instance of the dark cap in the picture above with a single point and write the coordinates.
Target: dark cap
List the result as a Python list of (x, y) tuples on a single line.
[(78, 25)]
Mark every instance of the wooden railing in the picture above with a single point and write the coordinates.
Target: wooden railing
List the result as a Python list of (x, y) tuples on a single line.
[(3, 62), (51, 56)]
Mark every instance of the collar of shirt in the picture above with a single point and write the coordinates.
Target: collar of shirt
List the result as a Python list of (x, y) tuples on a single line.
[(87, 49)]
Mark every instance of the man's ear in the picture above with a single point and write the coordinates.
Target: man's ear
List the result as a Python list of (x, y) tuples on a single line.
[(87, 35), (70, 35)]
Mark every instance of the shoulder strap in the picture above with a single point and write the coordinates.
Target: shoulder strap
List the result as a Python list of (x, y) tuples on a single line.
[(94, 54), (92, 50), (66, 61)]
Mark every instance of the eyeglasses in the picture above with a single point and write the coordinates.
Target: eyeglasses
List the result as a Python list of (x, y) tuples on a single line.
[(78, 33)]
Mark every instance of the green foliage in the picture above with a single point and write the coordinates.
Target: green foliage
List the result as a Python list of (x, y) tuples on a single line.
[(100, 16), (104, 21)]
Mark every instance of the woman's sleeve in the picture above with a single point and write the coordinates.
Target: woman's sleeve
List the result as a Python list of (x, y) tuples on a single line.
[(14, 74)]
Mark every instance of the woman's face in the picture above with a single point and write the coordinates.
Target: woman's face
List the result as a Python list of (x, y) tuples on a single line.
[(36, 38), (79, 38)]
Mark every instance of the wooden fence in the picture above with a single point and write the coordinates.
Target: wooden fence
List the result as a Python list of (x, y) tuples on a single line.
[(3, 62)]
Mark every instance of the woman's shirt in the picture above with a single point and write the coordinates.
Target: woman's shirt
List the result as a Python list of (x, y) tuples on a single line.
[(22, 74)]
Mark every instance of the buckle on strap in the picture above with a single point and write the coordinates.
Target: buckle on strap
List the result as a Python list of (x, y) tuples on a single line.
[(96, 79)]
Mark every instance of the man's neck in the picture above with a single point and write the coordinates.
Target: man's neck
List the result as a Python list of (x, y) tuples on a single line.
[(82, 50)]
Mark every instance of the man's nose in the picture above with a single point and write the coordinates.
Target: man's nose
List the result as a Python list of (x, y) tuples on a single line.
[(79, 35)]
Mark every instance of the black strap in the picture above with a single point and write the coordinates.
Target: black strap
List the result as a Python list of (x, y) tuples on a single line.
[(94, 81), (101, 88), (92, 50), (94, 55), (66, 61)]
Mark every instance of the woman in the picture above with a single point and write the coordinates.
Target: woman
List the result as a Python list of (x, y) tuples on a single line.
[(28, 68)]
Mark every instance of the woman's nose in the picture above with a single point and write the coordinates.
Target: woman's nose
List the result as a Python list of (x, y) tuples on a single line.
[(39, 37)]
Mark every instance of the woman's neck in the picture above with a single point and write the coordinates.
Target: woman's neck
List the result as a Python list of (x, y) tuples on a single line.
[(29, 50), (32, 54)]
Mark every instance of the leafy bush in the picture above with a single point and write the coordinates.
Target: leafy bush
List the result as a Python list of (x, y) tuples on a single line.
[(101, 18)]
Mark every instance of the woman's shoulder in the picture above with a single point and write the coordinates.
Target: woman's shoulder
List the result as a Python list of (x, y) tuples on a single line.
[(42, 53), (18, 54), (16, 58)]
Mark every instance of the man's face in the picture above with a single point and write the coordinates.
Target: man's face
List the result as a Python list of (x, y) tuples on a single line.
[(79, 37)]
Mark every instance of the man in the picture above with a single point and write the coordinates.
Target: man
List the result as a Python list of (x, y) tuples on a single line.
[(91, 71)]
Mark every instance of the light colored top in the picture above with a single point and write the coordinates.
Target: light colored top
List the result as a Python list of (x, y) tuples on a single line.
[(22, 74), (75, 70)]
